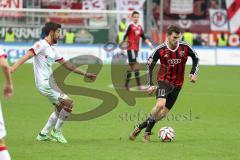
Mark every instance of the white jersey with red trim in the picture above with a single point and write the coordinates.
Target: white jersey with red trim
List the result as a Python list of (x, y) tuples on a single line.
[(45, 55), (2, 127)]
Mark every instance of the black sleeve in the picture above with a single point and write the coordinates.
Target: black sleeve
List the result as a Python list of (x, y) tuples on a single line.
[(143, 36), (152, 60), (195, 61), (126, 33)]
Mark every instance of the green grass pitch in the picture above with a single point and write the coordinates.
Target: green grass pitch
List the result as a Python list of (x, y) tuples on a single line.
[(205, 119)]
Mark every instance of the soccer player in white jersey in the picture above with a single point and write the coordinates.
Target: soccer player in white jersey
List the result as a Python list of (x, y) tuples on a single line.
[(8, 92), (45, 54)]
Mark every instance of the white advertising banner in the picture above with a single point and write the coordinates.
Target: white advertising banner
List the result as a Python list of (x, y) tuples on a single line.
[(208, 55), (181, 6), (218, 20), (129, 4), (228, 56), (94, 4), (10, 3)]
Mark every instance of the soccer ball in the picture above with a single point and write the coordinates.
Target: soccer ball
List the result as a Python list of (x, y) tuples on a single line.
[(166, 134)]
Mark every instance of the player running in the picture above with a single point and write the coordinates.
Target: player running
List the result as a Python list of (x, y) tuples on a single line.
[(134, 32), (8, 92), (45, 53), (173, 55)]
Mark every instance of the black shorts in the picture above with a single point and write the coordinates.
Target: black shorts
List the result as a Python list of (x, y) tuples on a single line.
[(169, 92), (132, 56)]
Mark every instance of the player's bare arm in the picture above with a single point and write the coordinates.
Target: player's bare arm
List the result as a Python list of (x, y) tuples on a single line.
[(148, 42), (75, 69), (8, 88), (22, 60)]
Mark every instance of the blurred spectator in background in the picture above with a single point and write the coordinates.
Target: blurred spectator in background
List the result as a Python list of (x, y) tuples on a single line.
[(69, 37), (198, 41), (188, 37), (9, 36), (156, 11), (122, 28), (214, 4), (222, 40)]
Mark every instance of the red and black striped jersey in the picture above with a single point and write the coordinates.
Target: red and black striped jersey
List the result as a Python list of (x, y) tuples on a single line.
[(172, 63), (134, 32)]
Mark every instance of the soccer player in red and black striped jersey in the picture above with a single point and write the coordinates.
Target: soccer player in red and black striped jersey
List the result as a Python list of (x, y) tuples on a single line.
[(173, 55), (133, 33)]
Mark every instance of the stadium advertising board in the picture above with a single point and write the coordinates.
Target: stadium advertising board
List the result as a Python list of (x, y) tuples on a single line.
[(207, 55), (84, 36)]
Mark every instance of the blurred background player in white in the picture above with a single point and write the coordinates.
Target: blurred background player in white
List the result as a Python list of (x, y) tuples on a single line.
[(45, 54), (134, 33), (8, 92)]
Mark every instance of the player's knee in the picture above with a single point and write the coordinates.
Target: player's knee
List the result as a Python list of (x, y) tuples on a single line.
[(160, 105), (129, 74), (2, 143), (69, 103), (164, 111), (65, 103), (137, 73)]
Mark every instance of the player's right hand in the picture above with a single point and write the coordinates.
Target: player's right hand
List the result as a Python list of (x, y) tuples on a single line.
[(91, 75), (8, 91), (150, 89), (193, 78)]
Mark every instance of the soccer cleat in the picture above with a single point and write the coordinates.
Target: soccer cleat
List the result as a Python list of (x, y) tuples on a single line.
[(134, 133), (42, 137), (58, 136), (146, 137)]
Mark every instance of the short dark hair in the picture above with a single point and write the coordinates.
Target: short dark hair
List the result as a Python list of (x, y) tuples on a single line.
[(174, 29), (51, 26), (135, 12)]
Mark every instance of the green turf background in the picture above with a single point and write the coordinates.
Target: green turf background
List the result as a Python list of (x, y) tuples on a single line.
[(205, 119)]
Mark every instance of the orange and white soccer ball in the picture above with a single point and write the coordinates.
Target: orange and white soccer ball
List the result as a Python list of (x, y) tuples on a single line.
[(166, 134)]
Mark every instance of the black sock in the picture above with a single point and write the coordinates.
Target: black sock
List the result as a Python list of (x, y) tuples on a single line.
[(137, 74), (129, 75), (150, 124), (143, 124)]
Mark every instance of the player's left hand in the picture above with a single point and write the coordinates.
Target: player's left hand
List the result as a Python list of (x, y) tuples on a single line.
[(151, 47), (90, 75), (122, 52), (193, 78)]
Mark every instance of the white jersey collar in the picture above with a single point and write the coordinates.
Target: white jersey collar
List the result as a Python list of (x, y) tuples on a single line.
[(173, 50)]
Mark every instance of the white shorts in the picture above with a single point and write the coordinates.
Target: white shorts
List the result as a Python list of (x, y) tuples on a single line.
[(2, 126), (51, 94)]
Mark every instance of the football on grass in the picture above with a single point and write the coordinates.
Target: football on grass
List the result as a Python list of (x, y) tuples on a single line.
[(166, 134)]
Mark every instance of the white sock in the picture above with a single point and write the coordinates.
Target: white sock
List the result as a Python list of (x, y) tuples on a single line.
[(4, 155), (50, 123), (63, 115)]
